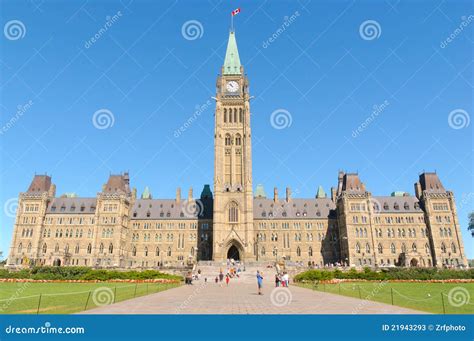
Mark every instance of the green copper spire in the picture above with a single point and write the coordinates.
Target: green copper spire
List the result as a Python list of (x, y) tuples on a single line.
[(146, 193), (260, 192), (320, 194), (232, 60)]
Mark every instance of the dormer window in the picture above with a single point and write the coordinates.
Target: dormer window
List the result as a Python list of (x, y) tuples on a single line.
[(63, 208), (83, 208), (135, 214), (162, 214), (297, 214), (318, 213), (305, 213), (396, 206), (385, 206), (148, 214), (283, 214), (264, 214), (53, 208), (168, 214), (406, 206), (73, 208)]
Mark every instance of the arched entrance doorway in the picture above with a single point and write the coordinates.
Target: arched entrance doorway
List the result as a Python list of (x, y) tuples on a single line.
[(57, 262), (414, 262), (233, 253)]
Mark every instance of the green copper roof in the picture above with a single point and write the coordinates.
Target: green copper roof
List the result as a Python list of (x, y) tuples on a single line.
[(146, 193), (70, 195), (260, 192), (320, 194), (206, 192), (232, 60), (398, 194)]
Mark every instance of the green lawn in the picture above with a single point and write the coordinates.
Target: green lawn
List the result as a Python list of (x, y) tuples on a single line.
[(458, 297), (66, 298)]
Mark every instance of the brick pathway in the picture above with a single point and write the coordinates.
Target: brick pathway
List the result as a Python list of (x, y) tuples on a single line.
[(240, 297)]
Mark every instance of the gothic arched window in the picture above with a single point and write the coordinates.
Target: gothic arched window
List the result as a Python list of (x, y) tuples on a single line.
[(241, 119), (228, 140), (45, 248), (225, 115), (380, 247), (233, 213), (89, 248), (111, 248), (238, 140)]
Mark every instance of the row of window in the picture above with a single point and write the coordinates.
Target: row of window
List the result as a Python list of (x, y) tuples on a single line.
[(296, 225), (169, 226), (262, 237), (233, 115)]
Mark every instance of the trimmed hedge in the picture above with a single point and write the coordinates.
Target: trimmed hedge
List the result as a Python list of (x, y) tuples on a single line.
[(386, 274), (83, 273)]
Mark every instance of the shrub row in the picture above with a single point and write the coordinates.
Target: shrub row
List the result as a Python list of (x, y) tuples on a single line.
[(386, 274), (83, 273)]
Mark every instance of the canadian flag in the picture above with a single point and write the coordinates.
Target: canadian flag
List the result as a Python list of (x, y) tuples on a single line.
[(236, 11)]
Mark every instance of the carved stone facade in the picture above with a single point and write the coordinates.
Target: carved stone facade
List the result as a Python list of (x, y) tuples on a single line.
[(352, 227)]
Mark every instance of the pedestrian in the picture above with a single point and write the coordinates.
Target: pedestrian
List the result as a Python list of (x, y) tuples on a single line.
[(227, 279), (221, 278), (286, 279), (217, 280), (277, 280), (259, 282)]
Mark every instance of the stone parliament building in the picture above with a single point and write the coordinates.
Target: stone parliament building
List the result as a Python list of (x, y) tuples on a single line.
[(118, 229)]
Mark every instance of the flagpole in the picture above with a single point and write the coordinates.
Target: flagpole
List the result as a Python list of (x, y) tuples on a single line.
[(232, 22)]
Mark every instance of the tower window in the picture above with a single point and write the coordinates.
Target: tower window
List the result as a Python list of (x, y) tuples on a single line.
[(233, 213), (228, 140), (225, 115)]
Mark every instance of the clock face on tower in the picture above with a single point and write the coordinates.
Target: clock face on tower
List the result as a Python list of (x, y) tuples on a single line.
[(232, 86)]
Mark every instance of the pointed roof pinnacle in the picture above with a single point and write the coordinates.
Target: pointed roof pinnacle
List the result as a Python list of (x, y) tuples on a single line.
[(146, 193), (320, 194), (232, 60)]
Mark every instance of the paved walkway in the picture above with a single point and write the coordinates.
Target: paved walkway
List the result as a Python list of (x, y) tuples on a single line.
[(240, 297)]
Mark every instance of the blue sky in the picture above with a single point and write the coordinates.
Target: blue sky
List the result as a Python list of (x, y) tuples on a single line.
[(324, 70)]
